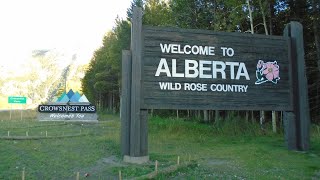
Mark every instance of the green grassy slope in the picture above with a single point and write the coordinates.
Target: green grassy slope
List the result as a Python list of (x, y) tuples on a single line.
[(233, 151)]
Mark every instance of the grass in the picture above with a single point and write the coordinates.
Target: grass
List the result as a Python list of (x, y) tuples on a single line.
[(58, 158), (232, 150), (26, 114), (250, 156)]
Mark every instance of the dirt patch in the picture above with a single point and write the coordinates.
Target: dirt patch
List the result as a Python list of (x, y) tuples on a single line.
[(216, 162), (316, 175), (103, 168), (113, 160)]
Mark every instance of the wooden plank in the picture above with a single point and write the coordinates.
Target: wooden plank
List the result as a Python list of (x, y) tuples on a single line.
[(136, 50), (125, 102), (302, 111), (248, 48), (144, 132), (289, 118), (274, 121), (290, 130)]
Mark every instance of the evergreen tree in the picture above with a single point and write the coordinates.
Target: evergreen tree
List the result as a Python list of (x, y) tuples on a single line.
[(103, 75), (134, 3)]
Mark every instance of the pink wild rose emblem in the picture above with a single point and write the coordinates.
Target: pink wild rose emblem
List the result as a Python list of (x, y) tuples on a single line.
[(268, 71)]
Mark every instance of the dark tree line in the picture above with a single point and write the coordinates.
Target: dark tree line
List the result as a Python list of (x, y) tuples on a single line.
[(101, 83)]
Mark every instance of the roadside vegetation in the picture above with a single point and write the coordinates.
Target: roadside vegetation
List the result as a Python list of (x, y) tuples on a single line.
[(211, 144), (102, 79), (230, 149)]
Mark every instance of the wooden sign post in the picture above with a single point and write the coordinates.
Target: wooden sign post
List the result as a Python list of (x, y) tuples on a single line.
[(134, 134), (173, 68), (297, 122)]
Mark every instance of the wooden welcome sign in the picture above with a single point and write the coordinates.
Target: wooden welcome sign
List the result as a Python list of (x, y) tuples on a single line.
[(173, 68), (198, 69)]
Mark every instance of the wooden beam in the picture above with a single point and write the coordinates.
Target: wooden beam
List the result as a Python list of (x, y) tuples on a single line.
[(302, 105), (136, 50), (297, 126), (125, 102), (144, 132)]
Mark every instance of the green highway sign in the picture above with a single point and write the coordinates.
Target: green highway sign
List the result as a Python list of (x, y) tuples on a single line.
[(17, 100)]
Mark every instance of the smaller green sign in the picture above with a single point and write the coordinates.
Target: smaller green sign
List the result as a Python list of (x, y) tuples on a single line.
[(17, 100)]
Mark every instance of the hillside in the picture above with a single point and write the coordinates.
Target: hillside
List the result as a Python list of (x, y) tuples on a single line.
[(40, 76)]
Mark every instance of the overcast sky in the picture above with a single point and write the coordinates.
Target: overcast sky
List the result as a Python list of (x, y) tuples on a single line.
[(73, 25)]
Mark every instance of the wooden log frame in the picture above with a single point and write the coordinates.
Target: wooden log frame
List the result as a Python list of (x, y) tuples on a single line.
[(134, 131), (125, 102), (141, 89), (297, 122)]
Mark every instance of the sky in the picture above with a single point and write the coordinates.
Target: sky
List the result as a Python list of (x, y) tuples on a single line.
[(68, 25)]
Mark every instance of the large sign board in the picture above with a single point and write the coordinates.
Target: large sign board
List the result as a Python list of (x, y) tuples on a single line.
[(199, 69), (171, 68)]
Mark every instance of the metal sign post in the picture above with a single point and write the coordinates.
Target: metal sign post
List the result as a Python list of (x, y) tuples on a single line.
[(17, 100)]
